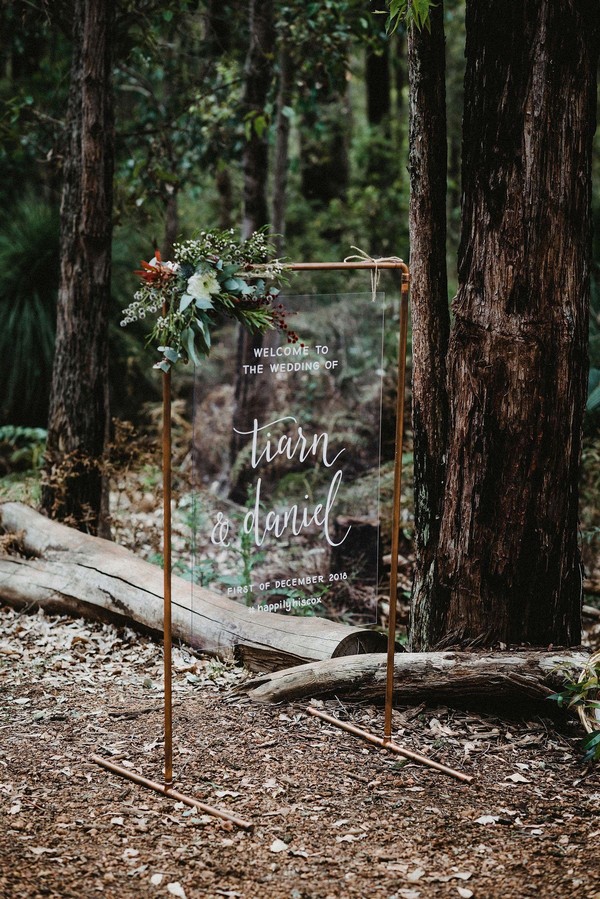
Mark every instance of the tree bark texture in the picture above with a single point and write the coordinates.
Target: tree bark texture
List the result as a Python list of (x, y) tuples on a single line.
[(78, 412), (429, 289), (507, 565), (63, 571)]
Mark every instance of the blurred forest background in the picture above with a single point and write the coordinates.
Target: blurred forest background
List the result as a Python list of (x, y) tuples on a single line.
[(334, 128)]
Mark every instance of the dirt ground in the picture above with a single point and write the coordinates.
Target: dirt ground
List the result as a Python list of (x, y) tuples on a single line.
[(332, 816)]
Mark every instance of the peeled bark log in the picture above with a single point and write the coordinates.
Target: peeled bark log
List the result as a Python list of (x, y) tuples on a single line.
[(441, 676), (65, 571)]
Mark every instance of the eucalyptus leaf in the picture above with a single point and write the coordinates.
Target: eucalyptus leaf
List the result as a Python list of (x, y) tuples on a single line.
[(185, 302), (187, 339), (204, 303), (171, 354), (205, 332)]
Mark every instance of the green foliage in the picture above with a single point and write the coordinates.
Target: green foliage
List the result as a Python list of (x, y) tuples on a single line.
[(29, 241), (582, 693), (21, 449), (413, 12), (34, 64)]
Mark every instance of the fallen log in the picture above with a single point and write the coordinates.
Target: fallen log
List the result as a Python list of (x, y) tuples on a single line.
[(440, 676), (64, 571)]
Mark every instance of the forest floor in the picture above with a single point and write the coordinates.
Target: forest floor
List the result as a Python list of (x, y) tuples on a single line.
[(332, 816)]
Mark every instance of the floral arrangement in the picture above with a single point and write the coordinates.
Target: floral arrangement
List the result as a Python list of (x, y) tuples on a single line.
[(211, 276)]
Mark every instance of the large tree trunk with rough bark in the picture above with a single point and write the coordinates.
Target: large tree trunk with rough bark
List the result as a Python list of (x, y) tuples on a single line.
[(78, 402), (507, 564), (429, 289)]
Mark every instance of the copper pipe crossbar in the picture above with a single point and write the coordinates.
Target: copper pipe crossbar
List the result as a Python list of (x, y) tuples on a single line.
[(389, 744), (172, 794)]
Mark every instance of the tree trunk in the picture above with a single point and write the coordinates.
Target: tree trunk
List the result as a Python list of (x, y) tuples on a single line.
[(225, 191), (171, 222), (429, 292), (258, 74), (282, 140), (324, 161), (453, 677), (507, 566), (78, 412), (378, 84)]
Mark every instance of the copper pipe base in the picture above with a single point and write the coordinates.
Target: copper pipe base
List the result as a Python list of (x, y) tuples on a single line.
[(389, 744), (172, 794)]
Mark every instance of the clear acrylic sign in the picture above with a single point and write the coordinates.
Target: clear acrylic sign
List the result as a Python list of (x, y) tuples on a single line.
[(285, 499)]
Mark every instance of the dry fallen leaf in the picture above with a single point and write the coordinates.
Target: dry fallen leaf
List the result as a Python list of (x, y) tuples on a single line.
[(278, 846), (465, 892), (156, 879), (486, 819), (415, 875), (175, 889), (517, 778)]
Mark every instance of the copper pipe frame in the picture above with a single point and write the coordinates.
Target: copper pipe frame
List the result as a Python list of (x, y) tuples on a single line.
[(166, 788), (388, 744), (172, 794)]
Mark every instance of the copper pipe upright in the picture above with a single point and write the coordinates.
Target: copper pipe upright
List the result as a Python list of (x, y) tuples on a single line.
[(401, 387), (167, 630)]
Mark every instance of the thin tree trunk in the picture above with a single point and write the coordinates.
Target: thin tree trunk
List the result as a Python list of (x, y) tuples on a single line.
[(258, 73), (429, 294), (78, 411), (282, 140), (224, 189), (324, 149), (507, 567), (171, 223), (378, 84)]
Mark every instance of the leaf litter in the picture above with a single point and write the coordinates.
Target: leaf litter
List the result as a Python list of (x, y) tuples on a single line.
[(332, 816)]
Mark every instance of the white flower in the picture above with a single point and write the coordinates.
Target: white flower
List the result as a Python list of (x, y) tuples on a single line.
[(202, 284)]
